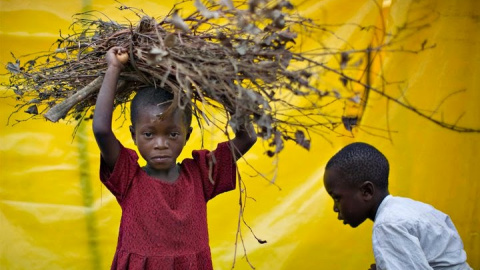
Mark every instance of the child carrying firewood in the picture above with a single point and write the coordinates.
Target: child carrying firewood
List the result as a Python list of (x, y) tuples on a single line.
[(163, 223)]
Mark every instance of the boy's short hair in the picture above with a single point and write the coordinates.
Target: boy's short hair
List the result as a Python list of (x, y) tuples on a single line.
[(150, 95), (359, 162)]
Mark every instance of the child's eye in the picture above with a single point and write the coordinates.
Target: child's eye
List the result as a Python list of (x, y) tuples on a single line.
[(174, 135), (147, 134)]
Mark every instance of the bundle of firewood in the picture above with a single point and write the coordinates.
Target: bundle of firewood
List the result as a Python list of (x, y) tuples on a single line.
[(240, 57)]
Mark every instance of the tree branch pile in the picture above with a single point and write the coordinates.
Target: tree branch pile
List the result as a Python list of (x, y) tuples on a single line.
[(241, 57)]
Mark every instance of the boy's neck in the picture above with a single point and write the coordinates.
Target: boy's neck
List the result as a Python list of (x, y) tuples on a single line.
[(376, 203)]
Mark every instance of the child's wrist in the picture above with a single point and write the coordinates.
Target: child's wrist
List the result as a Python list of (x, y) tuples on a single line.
[(115, 68)]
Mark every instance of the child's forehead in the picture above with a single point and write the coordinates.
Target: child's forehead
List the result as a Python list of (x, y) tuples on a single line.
[(160, 107), (159, 114), (333, 174), (335, 178), (149, 110)]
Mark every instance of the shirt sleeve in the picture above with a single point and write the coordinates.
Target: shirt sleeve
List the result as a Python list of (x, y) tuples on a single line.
[(217, 170), (119, 180), (397, 249)]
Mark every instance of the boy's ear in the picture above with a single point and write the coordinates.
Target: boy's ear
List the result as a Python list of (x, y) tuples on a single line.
[(132, 132), (367, 189), (189, 132)]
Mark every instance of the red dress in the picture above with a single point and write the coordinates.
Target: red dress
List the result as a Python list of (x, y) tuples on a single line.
[(164, 225)]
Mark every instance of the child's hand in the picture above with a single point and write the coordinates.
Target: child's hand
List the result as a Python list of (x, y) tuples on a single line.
[(116, 57)]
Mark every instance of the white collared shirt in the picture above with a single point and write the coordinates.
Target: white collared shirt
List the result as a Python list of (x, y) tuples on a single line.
[(409, 234)]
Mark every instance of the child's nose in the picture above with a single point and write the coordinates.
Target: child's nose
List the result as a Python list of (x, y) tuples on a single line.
[(161, 142), (335, 208)]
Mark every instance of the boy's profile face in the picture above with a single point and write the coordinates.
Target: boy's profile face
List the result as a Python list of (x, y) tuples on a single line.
[(160, 139), (349, 200)]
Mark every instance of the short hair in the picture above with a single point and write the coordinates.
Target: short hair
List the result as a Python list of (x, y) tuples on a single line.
[(150, 95), (359, 162)]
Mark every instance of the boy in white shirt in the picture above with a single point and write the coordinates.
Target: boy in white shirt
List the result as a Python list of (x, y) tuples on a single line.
[(407, 234)]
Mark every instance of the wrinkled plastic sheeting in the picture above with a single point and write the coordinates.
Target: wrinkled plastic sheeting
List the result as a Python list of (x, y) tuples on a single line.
[(55, 214)]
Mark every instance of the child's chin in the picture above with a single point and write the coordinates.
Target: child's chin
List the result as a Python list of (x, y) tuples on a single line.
[(353, 225), (160, 167)]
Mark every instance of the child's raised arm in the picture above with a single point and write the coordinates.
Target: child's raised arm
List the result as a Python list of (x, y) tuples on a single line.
[(102, 118), (245, 138)]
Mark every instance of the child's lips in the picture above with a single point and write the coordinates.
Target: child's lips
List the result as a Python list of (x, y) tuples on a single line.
[(160, 159)]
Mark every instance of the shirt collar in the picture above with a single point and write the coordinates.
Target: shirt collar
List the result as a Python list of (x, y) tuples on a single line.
[(382, 205)]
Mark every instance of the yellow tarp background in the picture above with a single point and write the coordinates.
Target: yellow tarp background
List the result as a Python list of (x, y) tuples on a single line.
[(55, 214)]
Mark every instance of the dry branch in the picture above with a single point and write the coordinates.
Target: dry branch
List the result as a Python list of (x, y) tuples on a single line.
[(60, 110)]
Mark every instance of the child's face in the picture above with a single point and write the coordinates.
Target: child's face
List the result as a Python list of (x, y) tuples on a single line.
[(348, 200), (160, 140)]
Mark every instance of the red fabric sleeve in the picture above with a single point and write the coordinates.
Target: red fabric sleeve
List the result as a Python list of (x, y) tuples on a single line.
[(119, 180), (217, 170)]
